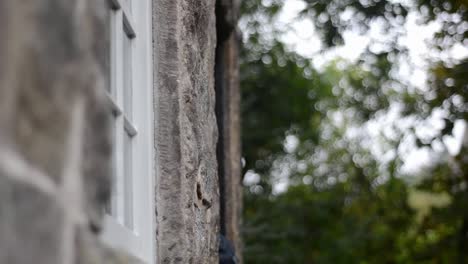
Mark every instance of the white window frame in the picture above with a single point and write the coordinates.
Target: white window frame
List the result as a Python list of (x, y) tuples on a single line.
[(130, 223)]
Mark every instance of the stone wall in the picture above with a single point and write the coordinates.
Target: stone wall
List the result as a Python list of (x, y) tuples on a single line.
[(54, 132), (187, 194), (54, 140)]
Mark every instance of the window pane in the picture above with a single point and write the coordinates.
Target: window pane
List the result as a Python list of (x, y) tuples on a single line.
[(128, 3), (128, 180), (110, 206), (127, 72)]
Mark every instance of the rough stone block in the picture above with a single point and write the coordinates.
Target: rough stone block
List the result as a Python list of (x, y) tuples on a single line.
[(187, 193), (31, 224)]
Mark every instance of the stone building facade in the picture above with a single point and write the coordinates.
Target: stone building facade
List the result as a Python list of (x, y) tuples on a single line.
[(169, 180)]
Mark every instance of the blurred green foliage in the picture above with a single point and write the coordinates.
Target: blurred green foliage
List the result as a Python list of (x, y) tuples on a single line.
[(345, 201)]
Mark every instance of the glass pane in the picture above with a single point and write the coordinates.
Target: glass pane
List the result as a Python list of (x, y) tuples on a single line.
[(106, 61), (129, 4), (128, 178), (110, 205), (127, 72)]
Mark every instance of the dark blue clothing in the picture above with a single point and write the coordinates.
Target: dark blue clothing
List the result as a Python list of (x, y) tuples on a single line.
[(226, 251)]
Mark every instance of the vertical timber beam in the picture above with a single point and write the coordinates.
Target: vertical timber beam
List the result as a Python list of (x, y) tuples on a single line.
[(228, 119)]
